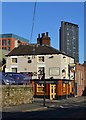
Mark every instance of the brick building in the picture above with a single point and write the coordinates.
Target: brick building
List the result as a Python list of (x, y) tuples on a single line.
[(44, 39), (84, 93), (80, 79), (85, 73), (10, 41)]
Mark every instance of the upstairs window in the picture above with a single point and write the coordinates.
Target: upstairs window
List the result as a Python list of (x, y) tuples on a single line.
[(4, 48), (8, 42), (8, 48), (54, 71), (41, 59), (14, 60), (4, 42), (0, 42)]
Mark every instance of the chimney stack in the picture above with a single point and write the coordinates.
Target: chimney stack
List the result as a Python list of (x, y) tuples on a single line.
[(43, 35), (44, 39), (38, 35)]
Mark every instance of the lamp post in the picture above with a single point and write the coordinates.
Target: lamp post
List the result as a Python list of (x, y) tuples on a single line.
[(44, 89), (44, 93), (42, 74)]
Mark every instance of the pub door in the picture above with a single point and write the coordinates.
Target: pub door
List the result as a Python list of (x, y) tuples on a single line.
[(52, 91)]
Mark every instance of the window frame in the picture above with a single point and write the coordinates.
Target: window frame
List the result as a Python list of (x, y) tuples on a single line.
[(51, 74), (41, 59), (4, 42), (41, 87), (14, 60), (15, 69), (9, 42)]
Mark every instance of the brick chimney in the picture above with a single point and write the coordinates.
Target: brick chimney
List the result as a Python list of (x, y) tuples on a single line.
[(44, 39)]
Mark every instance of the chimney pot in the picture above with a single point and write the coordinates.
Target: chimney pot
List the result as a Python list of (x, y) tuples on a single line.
[(38, 35), (47, 34), (43, 35)]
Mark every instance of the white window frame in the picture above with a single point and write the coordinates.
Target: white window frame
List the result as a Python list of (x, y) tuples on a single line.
[(14, 68), (51, 71), (40, 56), (14, 60)]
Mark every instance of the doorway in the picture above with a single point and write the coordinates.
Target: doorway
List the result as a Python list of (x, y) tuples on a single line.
[(52, 91)]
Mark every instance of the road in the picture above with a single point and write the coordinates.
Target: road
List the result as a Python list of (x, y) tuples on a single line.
[(65, 109), (48, 113)]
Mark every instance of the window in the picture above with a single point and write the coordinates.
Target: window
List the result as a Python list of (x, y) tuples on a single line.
[(41, 59), (4, 48), (9, 42), (41, 71), (8, 48), (70, 87), (40, 87), (14, 70), (4, 42), (64, 88), (14, 60), (54, 71), (0, 42), (79, 77)]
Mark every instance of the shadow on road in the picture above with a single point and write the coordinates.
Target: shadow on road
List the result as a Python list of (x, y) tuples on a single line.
[(74, 113)]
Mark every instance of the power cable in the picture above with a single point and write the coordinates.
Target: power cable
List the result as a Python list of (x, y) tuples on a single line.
[(33, 21)]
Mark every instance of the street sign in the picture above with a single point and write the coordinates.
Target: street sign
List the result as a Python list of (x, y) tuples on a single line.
[(71, 71)]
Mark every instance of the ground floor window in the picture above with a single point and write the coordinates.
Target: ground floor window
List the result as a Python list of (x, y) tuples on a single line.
[(64, 88), (70, 88), (14, 70), (40, 87)]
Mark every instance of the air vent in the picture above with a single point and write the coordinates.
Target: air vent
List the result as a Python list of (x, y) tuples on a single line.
[(29, 61), (51, 56), (28, 57)]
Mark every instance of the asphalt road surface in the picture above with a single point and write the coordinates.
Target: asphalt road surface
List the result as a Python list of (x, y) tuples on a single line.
[(72, 110), (48, 113)]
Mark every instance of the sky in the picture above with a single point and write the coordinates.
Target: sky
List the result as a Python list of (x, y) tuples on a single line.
[(84, 32), (17, 18)]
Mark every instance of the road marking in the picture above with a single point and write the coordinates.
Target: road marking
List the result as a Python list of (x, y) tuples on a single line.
[(36, 109)]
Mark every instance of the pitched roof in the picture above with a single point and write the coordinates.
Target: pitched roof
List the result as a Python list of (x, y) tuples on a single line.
[(34, 49)]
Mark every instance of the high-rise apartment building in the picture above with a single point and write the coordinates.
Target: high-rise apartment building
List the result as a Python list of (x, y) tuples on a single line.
[(69, 39), (10, 41)]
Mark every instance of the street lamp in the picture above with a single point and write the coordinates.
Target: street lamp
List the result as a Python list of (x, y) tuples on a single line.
[(43, 78), (44, 92)]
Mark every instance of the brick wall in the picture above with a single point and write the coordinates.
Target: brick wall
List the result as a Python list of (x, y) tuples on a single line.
[(80, 79)]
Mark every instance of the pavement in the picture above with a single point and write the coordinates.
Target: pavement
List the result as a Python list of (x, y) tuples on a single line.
[(37, 105), (71, 99)]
